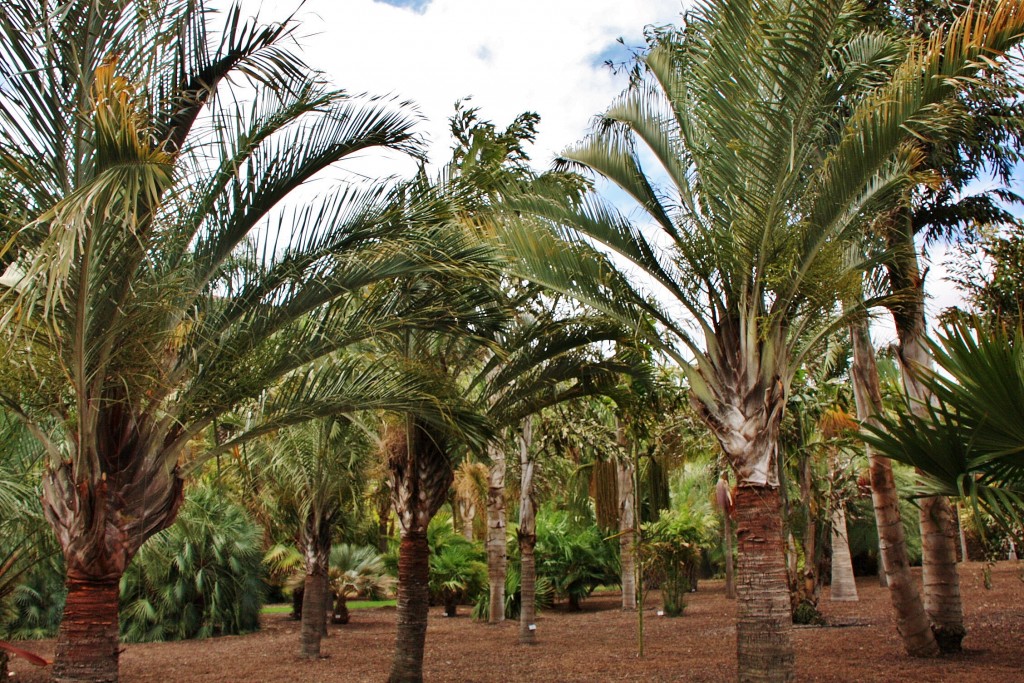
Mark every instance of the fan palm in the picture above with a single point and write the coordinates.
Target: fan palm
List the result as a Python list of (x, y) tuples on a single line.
[(773, 163), (155, 293), (969, 441)]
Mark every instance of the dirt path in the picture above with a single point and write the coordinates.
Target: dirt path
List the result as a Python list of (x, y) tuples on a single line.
[(600, 644)]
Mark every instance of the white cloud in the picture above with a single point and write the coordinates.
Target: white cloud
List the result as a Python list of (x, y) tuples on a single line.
[(510, 56)]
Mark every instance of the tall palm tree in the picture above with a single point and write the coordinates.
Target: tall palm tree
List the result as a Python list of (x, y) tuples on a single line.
[(771, 166), (157, 289)]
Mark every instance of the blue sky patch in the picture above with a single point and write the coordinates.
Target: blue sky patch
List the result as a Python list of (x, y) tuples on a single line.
[(615, 52), (417, 6)]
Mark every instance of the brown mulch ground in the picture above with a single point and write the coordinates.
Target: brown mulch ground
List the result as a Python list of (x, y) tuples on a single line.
[(600, 644)]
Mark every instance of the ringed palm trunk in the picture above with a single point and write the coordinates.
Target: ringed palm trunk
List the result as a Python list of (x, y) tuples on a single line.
[(911, 619), (765, 620), (748, 431), (100, 525), (627, 523), (527, 539), (942, 599), (420, 478), (844, 587), (496, 536), (315, 598)]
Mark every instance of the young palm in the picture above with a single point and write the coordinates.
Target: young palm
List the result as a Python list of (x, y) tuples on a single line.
[(772, 167), (316, 470), (154, 291)]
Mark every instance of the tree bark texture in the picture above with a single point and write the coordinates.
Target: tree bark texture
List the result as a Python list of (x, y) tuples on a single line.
[(527, 538), (764, 618), (413, 607), (496, 534), (938, 536), (420, 474), (88, 642), (844, 587), (627, 526), (727, 546), (911, 619), (314, 600)]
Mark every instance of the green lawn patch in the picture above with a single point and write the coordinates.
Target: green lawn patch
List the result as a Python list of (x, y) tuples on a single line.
[(285, 608)]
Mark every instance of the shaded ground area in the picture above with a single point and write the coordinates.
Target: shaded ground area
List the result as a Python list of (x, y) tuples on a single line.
[(600, 644)]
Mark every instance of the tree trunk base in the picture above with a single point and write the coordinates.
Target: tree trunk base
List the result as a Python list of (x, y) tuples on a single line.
[(88, 639), (764, 625), (413, 607), (949, 638)]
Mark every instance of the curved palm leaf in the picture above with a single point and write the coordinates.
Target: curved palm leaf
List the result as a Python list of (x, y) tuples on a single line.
[(970, 442)]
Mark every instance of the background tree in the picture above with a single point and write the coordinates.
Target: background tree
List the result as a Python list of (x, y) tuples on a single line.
[(159, 294), (771, 178)]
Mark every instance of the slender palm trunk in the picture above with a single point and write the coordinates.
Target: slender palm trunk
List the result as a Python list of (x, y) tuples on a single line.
[(496, 534), (765, 624), (627, 524), (421, 475), (87, 642), (527, 538), (911, 619), (808, 589), (413, 607), (341, 613), (938, 536), (844, 587), (467, 511), (314, 601), (315, 598)]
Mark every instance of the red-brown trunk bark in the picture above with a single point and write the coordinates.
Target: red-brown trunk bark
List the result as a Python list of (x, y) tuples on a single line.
[(764, 620), (314, 601), (88, 640), (413, 608)]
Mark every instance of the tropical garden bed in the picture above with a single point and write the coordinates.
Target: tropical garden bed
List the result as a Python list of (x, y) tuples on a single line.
[(599, 643)]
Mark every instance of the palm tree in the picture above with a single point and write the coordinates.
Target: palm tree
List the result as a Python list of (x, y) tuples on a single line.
[(316, 469), (158, 290), (772, 163)]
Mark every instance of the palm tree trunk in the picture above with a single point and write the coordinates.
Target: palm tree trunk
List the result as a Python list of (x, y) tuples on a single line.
[(88, 642), (421, 475), (413, 608), (627, 523), (730, 573), (316, 544), (911, 620), (467, 511), (938, 536), (314, 601), (844, 587), (764, 619), (100, 526), (341, 613), (496, 542), (527, 538)]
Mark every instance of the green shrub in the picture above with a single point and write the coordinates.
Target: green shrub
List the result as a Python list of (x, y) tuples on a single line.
[(199, 578), (671, 551), (544, 594), (573, 557)]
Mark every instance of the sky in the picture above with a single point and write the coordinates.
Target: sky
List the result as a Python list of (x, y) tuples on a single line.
[(509, 56)]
